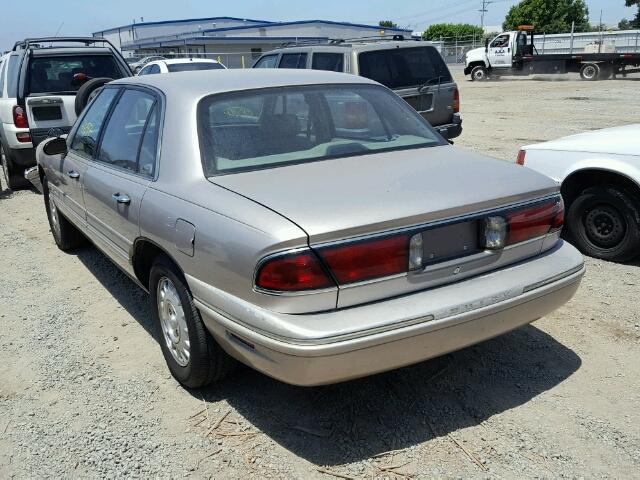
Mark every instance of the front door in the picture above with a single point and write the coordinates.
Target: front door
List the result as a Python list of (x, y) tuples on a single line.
[(116, 181), (499, 51)]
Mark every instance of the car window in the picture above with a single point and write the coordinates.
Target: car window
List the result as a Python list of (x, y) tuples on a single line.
[(146, 70), (333, 62), (86, 135), (403, 67), (155, 68), (56, 74), (501, 41), (268, 61), (293, 60), (12, 76), (184, 67), (149, 146), (288, 125), (3, 65), (123, 132)]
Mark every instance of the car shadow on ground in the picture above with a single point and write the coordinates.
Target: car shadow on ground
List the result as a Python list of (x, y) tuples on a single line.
[(355, 420)]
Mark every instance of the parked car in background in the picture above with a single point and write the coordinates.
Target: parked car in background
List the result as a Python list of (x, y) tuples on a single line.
[(139, 64), (599, 174), (414, 70), (309, 224), (180, 65), (39, 80)]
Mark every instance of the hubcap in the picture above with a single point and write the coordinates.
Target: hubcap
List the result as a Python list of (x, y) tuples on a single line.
[(173, 321), (55, 219), (605, 226), (479, 74), (590, 72)]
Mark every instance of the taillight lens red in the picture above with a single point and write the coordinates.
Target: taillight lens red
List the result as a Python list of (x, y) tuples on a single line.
[(521, 156), (368, 259), (20, 117), (23, 137), (456, 101), (532, 222), (293, 272)]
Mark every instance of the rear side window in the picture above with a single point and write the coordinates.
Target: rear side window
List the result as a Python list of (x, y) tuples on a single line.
[(333, 62), (293, 60), (56, 74), (404, 67), (12, 76), (123, 134), (86, 136), (185, 67), (3, 67), (268, 61)]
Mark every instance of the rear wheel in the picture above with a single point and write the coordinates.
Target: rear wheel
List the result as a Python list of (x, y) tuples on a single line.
[(66, 236), (603, 223), (12, 178), (590, 72), (479, 73), (193, 356)]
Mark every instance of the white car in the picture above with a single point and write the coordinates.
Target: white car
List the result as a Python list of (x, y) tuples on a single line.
[(599, 174), (180, 65)]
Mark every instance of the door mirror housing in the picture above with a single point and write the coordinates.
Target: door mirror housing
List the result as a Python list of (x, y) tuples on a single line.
[(55, 146)]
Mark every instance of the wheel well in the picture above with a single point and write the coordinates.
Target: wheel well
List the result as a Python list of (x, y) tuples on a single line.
[(477, 63), (144, 253), (579, 181)]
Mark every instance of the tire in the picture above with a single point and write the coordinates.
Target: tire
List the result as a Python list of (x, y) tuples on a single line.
[(479, 73), (606, 72), (174, 312), (603, 223), (89, 90), (590, 72), (65, 234), (13, 180)]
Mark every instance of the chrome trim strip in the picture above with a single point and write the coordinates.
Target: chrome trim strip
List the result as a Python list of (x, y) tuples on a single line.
[(555, 278)]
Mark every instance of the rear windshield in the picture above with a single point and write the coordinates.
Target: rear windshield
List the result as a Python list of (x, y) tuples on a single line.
[(404, 67), (184, 67), (266, 128), (55, 74)]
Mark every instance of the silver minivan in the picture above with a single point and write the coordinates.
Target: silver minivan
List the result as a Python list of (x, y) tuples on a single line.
[(414, 70)]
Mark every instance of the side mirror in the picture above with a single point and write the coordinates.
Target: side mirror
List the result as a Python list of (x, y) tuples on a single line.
[(55, 146)]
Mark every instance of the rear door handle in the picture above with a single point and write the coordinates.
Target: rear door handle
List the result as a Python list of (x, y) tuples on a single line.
[(121, 198), (73, 174)]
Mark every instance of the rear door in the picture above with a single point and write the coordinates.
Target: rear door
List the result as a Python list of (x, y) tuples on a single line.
[(117, 179), (51, 83)]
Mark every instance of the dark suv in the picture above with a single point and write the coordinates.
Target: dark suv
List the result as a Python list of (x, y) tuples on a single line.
[(39, 79), (414, 70)]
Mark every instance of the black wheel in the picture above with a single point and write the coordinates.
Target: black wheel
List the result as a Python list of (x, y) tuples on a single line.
[(479, 73), (606, 72), (66, 236), (590, 72), (87, 91), (193, 356), (603, 223), (12, 178)]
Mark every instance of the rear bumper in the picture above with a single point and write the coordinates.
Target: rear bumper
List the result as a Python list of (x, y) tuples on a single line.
[(422, 325), (21, 158), (451, 130)]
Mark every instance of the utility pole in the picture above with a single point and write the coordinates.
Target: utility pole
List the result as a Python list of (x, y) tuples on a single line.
[(483, 10)]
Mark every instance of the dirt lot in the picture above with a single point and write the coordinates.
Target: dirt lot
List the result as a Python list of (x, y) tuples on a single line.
[(84, 391)]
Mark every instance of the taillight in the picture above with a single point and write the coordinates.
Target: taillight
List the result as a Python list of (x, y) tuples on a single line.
[(23, 137), (293, 272), (364, 260), (521, 156), (20, 117), (536, 221), (456, 101)]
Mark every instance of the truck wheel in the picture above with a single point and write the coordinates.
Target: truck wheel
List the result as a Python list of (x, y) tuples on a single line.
[(66, 236), (193, 356), (479, 73), (590, 72), (603, 223), (13, 180)]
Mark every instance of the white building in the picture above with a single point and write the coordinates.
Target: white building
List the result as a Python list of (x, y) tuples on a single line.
[(237, 42)]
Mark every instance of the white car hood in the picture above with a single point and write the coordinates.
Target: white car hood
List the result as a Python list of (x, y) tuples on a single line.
[(618, 140)]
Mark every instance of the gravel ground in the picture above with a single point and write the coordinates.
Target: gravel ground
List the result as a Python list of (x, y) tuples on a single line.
[(84, 391)]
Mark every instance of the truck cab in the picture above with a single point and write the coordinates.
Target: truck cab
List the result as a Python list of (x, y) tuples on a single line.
[(504, 52)]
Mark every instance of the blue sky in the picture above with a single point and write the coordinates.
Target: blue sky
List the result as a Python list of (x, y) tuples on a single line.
[(20, 19)]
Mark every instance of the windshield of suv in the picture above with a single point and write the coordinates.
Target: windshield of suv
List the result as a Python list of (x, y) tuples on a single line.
[(55, 74), (184, 67), (265, 128), (404, 67)]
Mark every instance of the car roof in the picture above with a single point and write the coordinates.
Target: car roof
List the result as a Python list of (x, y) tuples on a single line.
[(352, 46), (196, 84), (175, 61), (55, 51)]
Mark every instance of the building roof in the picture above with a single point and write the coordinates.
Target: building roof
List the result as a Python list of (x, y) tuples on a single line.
[(178, 22)]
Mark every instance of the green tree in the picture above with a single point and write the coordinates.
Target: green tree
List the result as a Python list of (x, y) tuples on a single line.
[(549, 16), (443, 30), (624, 24), (387, 24), (635, 23)]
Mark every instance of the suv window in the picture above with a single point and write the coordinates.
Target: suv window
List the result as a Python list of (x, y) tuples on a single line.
[(55, 74), (293, 60), (3, 65), (333, 62), (12, 76), (185, 67), (268, 61), (123, 134), (86, 136), (403, 67)]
